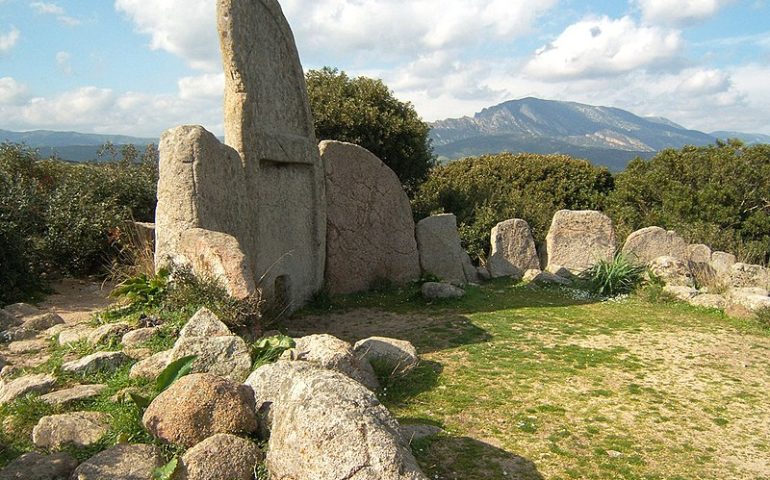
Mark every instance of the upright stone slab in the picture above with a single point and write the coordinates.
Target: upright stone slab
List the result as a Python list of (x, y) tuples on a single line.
[(645, 245), (578, 239), (264, 187), (369, 224), (513, 250), (440, 251)]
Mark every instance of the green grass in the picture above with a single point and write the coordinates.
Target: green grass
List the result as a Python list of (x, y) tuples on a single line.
[(551, 383)]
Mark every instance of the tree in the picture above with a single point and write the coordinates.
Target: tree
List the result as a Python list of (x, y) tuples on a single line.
[(365, 112)]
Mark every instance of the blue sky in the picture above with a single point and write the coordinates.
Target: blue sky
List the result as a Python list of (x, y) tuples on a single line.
[(138, 67)]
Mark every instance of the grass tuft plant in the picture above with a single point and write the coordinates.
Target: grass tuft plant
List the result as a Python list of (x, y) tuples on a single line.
[(270, 349), (614, 277)]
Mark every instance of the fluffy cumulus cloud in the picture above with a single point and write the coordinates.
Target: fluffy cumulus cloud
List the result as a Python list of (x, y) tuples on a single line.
[(185, 28), (8, 39), (11, 91), (679, 12), (604, 46)]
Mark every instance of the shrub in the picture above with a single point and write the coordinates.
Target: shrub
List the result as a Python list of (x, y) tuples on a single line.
[(483, 191), (614, 277)]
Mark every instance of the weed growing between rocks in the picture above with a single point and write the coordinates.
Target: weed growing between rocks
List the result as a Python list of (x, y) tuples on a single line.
[(614, 277)]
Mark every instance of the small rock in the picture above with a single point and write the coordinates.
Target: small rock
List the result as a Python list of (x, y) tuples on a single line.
[(138, 337), (335, 354), (16, 334), (40, 383), (8, 321), (152, 366), (411, 433), (98, 361), (684, 294), (673, 271), (227, 357), (22, 310), (709, 300), (483, 274), (27, 346), (220, 457), (74, 394), (55, 330), (122, 462), (138, 353), (545, 278), (43, 322), (435, 290), (614, 454), (398, 356), (108, 332), (198, 406), (79, 429), (74, 334), (204, 324), (35, 466)]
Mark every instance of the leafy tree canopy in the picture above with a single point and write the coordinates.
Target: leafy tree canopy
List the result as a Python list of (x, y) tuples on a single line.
[(365, 112)]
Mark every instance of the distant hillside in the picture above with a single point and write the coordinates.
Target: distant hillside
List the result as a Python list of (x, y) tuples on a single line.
[(603, 135), (73, 146)]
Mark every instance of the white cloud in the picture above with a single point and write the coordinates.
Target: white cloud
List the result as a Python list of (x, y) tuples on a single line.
[(44, 8), (185, 28), (704, 82), (210, 85), (64, 62), (604, 46), (8, 40), (679, 12), (11, 91)]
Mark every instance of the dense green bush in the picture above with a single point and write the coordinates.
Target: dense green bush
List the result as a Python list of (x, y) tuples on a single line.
[(717, 194), (364, 111), (64, 217), (486, 190)]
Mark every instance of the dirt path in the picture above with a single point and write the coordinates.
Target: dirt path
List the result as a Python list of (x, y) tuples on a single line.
[(76, 300)]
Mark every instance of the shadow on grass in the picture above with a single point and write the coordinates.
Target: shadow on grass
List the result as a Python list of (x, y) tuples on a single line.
[(399, 390), (462, 458)]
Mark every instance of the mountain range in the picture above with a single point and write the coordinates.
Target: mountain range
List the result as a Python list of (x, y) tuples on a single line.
[(603, 135)]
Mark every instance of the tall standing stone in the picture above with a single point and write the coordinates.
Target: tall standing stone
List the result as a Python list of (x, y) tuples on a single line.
[(645, 245), (265, 187), (513, 250), (440, 251), (369, 224), (578, 239)]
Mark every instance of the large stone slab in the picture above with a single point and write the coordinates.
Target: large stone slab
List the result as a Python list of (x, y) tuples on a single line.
[(440, 251), (121, 462), (578, 239), (40, 383), (513, 250), (369, 224), (78, 429), (266, 186), (645, 245)]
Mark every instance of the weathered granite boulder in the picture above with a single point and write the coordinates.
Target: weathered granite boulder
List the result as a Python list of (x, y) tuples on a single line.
[(75, 334), (36, 466), (683, 293), (22, 310), (699, 254), (152, 366), (204, 323), (17, 334), (218, 255), (343, 430), (579, 239), (109, 332), (73, 394), (121, 462), (751, 299), (198, 406), (538, 277), (369, 224), (744, 275), (139, 336), (672, 271), (78, 429), (440, 291), (27, 346), (722, 263), (42, 322), (99, 361), (8, 321), (40, 383), (513, 250), (266, 189), (645, 245), (220, 457), (709, 300), (440, 251), (331, 352), (397, 356)]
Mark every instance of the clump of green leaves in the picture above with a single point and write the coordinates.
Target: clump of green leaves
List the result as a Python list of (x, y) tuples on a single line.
[(270, 349), (614, 277), (173, 372), (143, 290)]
